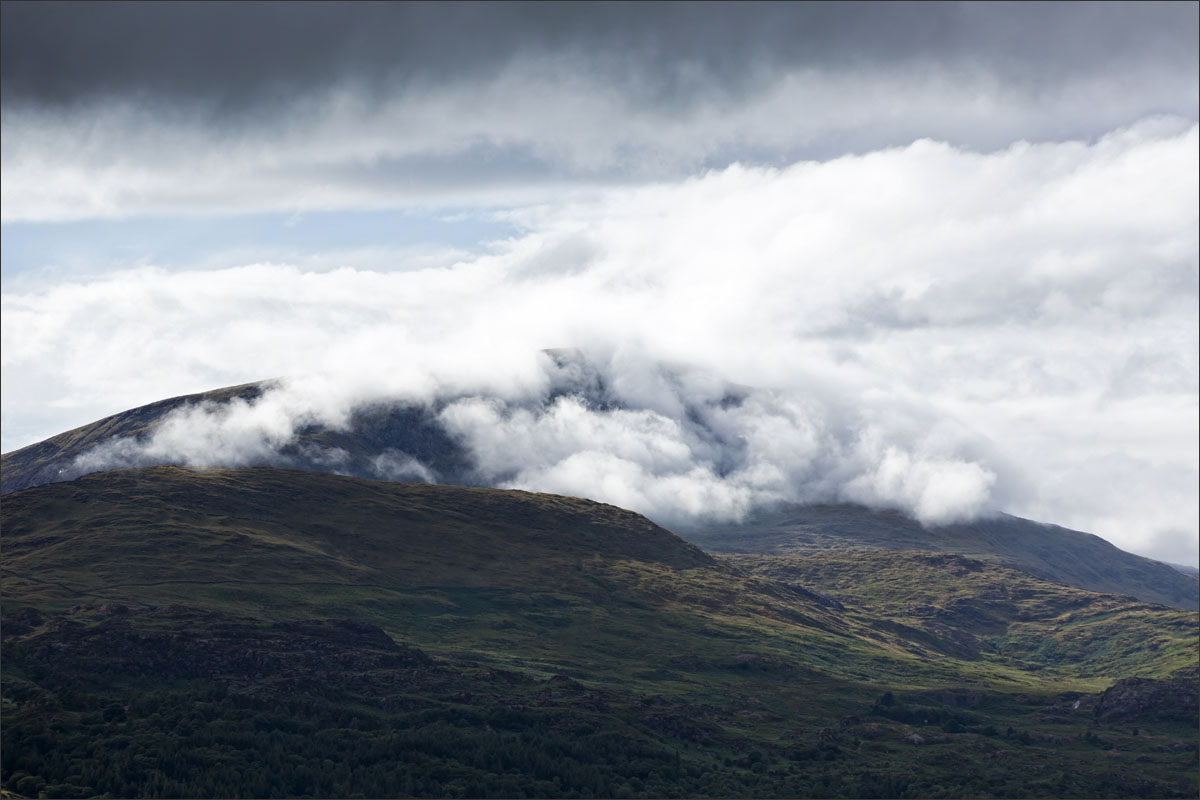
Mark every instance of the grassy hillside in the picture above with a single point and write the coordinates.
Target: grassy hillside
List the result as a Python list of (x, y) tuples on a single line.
[(974, 609), (1050, 552), (267, 632), (440, 565)]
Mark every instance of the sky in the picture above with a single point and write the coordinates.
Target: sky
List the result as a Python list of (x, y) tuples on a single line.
[(948, 251)]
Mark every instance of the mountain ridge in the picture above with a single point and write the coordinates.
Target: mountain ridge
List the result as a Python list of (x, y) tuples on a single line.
[(1048, 551), (406, 441)]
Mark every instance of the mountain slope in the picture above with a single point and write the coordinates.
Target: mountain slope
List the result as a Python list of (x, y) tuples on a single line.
[(969, 606), (422, 559), (378, 442), (397, 441), (1050, 552), (52, 460), (384, 439), (271, 632), (425, 561)]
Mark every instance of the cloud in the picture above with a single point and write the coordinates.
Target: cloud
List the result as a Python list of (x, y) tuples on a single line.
[(122, 110), (60, 56), (926, 327), (720, 457), (676, 443)]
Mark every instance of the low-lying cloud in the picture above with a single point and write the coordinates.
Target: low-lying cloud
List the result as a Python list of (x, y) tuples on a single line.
[(676, 443), (924, 327)]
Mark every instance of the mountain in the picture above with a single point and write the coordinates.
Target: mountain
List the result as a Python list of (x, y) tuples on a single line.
[(52, 460), (1057, 554), (388, 431), (407, 441), (966, 606), (383, 439), (273, 632)]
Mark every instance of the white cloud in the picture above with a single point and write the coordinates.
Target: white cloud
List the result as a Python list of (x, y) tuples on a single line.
[(932, 328)]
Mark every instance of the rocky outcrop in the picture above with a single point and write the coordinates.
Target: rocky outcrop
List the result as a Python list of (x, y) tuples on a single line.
[(1134, 699)]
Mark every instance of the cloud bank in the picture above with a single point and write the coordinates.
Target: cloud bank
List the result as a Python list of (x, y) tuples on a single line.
[(116, 110), (676, 443), (928, 327)]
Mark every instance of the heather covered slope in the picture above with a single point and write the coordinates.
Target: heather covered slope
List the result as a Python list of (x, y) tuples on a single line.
[(1050, 552), (269, 632)]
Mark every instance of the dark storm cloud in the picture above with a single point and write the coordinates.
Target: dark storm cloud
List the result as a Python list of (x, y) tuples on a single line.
[(238, 56)]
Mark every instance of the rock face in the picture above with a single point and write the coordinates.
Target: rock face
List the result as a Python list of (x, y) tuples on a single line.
[(1134, 699)]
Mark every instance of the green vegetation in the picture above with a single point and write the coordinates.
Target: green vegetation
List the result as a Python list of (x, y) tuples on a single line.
[(265, 632), (1050, 552), (983, 612)]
